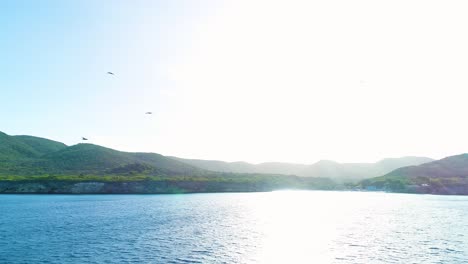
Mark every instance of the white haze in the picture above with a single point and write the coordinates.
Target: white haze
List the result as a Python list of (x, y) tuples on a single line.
[(292, 81)]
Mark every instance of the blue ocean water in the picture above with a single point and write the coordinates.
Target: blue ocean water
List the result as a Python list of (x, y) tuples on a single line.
[(275, 227)]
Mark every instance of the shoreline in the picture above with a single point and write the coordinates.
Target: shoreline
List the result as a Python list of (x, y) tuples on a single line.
[(64, 187)]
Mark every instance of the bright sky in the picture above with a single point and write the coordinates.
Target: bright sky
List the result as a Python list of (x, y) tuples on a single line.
[(293, 81)]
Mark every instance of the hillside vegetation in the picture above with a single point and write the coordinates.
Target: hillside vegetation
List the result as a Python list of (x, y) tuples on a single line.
[(26, 147), (445, 176), (30, 164)]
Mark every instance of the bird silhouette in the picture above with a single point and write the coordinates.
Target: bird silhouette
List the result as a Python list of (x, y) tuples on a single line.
[(111, 73), (149, 113), (83, 138)]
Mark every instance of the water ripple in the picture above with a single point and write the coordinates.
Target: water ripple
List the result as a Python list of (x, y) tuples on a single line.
[(278, 227)]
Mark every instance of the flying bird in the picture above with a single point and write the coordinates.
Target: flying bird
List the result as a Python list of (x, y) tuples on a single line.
[(111, 73), (83, 138), (149, 113)]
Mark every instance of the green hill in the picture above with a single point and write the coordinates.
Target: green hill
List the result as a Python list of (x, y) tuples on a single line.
[(89, 158), (26, 147), (83, 158), (35, 165), (41, 145), (445, 176), (27, 155)]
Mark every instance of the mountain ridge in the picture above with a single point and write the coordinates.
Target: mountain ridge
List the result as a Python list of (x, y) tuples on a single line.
[(32, 161), (23, 147), (35, 165), (28, 155), (445, 176), (55, 157), (341, 172)]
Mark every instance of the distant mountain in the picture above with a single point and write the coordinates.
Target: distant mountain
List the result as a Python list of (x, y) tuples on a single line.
[(343, 172), (36, 165), (453, 166), (351, 172), (244, 167), (33, 164), (32, 156), (445, 176)]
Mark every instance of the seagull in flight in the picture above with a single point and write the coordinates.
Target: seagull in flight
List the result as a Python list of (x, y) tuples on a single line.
[(110, 73), (83, 138)]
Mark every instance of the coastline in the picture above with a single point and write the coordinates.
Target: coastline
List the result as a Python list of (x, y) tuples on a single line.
[(139, 187), (180, 187)]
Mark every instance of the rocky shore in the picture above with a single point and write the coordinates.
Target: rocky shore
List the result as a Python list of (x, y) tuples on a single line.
[(134, 187)]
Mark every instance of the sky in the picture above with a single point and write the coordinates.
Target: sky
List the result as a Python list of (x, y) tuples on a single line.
[(251, 80)]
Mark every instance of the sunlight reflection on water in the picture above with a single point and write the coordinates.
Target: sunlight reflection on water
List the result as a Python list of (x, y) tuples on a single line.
[(276, 227)]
